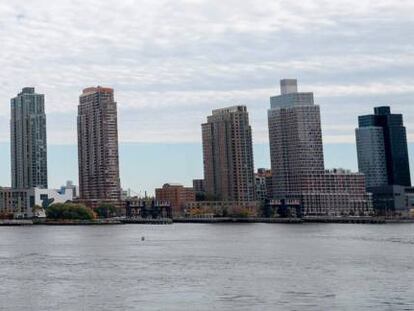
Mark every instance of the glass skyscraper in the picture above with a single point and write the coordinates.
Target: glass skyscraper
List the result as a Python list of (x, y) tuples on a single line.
[(382, 148), (28, 140)]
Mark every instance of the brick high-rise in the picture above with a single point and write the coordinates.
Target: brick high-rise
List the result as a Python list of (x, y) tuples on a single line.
[(228, 155), (28, 140), (98, 147)]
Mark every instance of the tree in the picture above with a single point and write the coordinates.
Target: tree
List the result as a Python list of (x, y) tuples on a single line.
[(36, 208), (69, 211), (266, 209), (284, 211), (105, 210)]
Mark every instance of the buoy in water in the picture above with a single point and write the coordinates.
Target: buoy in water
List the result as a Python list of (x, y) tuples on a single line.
[(142, 238)]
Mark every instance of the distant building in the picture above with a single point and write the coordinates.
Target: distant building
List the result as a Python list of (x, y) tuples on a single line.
[(70, 186), (20, 202), (336, 192), (383, 158), (199, 186), (382, 149), (177, 195), (228, 155), (98, 147), (263, 181), (28, 140), (147, 208), (392, 201), (297, 161)]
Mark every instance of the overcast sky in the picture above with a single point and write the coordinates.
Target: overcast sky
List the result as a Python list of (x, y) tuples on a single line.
[(172, 62)]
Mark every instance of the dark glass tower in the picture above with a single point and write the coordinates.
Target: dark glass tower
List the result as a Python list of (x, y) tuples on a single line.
[(394, 143)]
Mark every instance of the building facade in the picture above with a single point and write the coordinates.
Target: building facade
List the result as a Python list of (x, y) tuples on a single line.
[(20, 202), (297, 160), (28, 140), (177, 195), (263, 184), (198, 185), (228, 155), (336, 192), (98, 157), (371, 155), (295, 138), (382, 149), (383, 158)]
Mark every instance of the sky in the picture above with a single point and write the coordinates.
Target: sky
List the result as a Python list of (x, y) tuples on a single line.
[(172, 62)]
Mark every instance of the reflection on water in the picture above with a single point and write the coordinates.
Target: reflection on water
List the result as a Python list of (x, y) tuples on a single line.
[(208, 267)]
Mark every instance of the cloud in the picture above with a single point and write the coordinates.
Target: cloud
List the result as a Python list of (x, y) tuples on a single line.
[(172, 62)]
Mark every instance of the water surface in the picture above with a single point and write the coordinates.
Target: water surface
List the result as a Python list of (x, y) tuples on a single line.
[(208, 267)]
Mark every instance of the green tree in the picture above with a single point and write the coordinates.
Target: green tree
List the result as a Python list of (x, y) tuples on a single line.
[(69, 211), (106, 210)]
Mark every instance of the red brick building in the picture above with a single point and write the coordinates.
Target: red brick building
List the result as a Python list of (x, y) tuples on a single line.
[(177, 195)]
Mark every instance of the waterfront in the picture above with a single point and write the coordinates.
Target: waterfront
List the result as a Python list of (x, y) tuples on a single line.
[(208, 267)]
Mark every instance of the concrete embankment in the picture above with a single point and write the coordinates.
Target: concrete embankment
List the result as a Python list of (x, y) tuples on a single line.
[(16, 222), (224, 220), (356, 220), (145, 221), (237, 220), (73, 222)]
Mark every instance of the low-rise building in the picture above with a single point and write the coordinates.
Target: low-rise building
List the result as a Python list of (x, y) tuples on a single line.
[(177, 195), (393, 200), (336, 192), (20, 202)]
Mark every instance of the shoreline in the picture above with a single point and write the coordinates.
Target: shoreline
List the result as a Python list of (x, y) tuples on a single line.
[(221, 220)]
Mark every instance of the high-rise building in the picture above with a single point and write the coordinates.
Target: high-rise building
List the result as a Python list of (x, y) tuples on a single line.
[(228, 155), (28, 140), (198, 185), (382, 148), (383, 158), (98, 147), (295, 137), (296, 154)]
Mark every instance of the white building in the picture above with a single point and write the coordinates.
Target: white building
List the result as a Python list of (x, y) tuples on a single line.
[(20, 202)]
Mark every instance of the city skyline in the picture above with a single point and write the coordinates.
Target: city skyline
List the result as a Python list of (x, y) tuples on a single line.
[(192, 167)]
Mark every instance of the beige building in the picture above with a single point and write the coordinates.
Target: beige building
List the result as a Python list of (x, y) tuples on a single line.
[(228, 155), (297, 160), (98, 147)]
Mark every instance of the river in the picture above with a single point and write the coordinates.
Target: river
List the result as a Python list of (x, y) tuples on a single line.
[(207, 267)]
